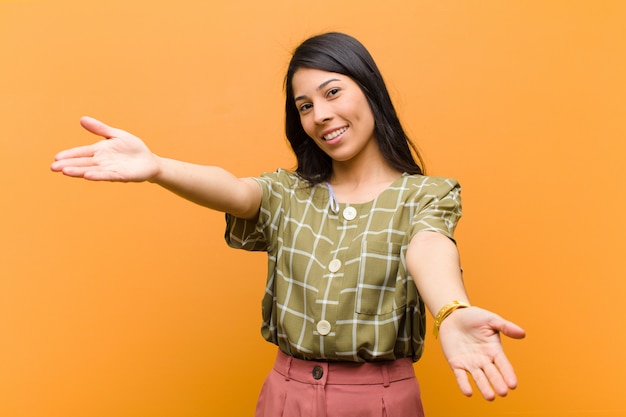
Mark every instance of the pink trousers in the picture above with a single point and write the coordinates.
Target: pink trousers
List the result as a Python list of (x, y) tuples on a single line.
[(298, 388)]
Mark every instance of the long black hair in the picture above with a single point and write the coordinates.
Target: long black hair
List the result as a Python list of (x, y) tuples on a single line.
[(343, 54)]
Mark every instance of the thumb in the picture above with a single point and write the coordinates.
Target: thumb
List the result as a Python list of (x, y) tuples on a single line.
[(97, 127), (510, 329)]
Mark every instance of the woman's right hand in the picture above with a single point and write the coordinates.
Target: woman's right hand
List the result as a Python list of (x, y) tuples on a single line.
[(119, 157)]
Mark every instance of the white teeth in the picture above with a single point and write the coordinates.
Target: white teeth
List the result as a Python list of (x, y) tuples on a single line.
[(334, 134)]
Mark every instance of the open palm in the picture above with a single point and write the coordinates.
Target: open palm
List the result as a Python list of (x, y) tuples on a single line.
[(120, 156), (470, 339)]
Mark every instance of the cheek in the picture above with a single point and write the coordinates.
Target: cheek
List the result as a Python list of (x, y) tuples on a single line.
[(369, 115), (371, 121), (366, 118), (306, 126)]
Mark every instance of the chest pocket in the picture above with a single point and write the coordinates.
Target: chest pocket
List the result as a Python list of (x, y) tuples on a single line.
[(379, 288)]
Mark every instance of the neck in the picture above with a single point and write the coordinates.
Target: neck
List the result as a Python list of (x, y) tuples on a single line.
[(357, 176), (360, 184)]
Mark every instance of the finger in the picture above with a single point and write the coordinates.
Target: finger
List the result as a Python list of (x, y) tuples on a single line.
[(76, 171), (97, 127), (509, 329), (92, 173), (86, 151), (63, 164), (513, 330), (496, 380), (506, 370), (463, 381), (483, 385)]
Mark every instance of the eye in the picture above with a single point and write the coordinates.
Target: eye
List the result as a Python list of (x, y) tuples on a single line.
[(302, 108), (332, 92)]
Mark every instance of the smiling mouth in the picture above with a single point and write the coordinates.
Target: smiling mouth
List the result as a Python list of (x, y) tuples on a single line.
[(334, 134)]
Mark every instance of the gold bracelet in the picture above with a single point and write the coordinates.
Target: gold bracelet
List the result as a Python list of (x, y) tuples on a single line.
[(445, 311)]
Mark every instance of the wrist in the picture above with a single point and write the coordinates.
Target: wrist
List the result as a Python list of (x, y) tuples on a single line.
[(155, 178), (445, 311)]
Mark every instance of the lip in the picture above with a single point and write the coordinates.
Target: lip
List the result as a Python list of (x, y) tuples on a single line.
[(327, 132)]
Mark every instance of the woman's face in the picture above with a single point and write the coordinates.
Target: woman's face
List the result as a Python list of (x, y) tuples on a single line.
[(335, 113)]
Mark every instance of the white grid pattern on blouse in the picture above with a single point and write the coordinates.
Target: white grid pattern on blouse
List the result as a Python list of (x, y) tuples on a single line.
[(347, 270)]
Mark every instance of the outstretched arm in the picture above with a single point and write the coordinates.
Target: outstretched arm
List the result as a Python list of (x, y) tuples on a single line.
[(123, 157), (470, 337)]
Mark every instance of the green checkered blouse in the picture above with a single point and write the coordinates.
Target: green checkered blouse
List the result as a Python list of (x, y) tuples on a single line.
[(337, 282)]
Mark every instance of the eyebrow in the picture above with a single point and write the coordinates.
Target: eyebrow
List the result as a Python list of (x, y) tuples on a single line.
[(322, 85)]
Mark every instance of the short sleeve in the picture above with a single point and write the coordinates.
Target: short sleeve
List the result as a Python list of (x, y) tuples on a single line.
[(261, 235), (244, 234), (440, 207)]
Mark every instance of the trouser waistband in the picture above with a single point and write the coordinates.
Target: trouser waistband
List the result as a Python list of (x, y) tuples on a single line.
[(343, 373)]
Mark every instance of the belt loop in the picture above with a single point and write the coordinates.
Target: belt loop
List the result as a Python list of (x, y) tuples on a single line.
[(385, 375), (289, 359)]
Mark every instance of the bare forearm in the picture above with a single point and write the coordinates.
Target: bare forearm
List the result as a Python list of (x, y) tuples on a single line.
[(433, 262), (209, 186), (470, 338)]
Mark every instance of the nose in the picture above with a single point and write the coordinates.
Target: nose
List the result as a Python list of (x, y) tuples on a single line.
[(321, 112)]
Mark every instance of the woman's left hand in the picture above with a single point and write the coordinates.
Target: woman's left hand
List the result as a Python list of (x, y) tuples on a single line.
[(470, 338)]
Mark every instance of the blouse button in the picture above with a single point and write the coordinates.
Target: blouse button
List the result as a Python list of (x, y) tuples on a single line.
[(349, 213), (334, 265), (323, 327)]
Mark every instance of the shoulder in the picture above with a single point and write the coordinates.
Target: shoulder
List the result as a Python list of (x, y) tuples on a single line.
[(281, 176), (280, 181), (283, 184), (428, 185)]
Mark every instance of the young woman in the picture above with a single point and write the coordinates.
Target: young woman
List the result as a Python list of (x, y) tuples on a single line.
[(359, 243)]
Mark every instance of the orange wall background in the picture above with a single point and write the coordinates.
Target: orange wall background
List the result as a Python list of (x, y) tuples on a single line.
[(122, 300)]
